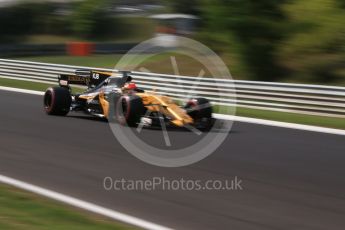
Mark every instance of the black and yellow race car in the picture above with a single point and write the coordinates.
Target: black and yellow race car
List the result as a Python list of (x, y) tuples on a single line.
[(117, 98)]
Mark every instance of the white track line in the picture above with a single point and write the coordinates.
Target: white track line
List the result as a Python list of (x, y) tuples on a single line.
[(21, 90), (82, 204), (281, 124), (234, 118)]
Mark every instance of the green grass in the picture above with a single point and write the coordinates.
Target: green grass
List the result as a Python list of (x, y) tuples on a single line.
[(330, 122), (49, 39), (21, 210), (323, 121), (255, 113), (24, 84), (30, 85), (160, 63), (100, 61), (128, 30)]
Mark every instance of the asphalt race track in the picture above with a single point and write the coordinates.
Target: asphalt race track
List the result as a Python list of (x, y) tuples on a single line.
[(292, 179)]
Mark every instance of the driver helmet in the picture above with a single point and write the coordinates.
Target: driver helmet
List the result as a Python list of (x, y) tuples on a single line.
[(130, 86)]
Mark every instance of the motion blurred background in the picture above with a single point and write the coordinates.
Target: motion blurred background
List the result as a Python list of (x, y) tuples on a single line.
[(289, 177), (268, 40)]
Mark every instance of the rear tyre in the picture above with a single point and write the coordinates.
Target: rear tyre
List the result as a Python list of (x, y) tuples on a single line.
[(57, 101), (129, 110)]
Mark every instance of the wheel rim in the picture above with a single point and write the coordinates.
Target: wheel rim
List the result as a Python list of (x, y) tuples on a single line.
[(124, 107), (122, 110), (48, 99)]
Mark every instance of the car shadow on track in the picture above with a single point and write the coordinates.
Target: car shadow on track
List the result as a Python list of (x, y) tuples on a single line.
[(169, 128)]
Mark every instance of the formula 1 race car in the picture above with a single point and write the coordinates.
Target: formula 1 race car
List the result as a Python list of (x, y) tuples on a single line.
[(118, 99)]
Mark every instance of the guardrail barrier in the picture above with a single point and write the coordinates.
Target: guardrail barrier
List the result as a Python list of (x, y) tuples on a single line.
[(295, 98)]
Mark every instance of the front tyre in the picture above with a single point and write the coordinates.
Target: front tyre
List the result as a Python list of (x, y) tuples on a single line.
[(57, 101), (129, 110), (200, 109)]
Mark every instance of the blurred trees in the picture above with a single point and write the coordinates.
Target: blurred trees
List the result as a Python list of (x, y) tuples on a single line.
[(270, 39), (256, 28), (265, 39), (90, 19), (85, 19), (315, 49), (23, 19)]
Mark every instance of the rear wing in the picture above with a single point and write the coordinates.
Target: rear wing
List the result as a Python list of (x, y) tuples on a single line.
[(84, 77)]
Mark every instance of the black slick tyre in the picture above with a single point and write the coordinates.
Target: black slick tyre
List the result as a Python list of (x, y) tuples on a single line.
[(129, 110), (57, 101)]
